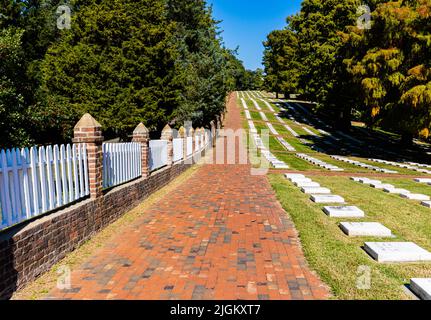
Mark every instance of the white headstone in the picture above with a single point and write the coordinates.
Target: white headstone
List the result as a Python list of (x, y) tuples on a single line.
[(421, 287), (423, 180), (397, 252), (293, 175), (365, 229), (344, 212), (306, 184), (294, 180), (280, 166), (369, 181), (326, 198), (396, 190), (315, 190), (382, 186), (415, 196)]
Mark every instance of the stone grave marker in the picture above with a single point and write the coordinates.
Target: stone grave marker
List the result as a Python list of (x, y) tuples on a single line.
[(326, 198), (365, 229), (396, 190), (307, 184), (415, 196), (421, 287), (315, 190), (344, 212), (397, 252)]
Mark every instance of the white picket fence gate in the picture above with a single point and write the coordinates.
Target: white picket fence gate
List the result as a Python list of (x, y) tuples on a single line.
[(158, 154), (178, 149), (37, 180), (121, 163)]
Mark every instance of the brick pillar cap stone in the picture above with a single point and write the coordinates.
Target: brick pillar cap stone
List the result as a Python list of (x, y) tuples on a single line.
[(87, 121), (182, 132), (141, 129)]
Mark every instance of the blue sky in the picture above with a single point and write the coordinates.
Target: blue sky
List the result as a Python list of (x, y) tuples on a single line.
[(246, 24)]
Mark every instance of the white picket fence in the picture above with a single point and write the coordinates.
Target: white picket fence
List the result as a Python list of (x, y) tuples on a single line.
[(37, 180), (158, 154), (40, 179), (189, 146), (178, 149), (121, 163)]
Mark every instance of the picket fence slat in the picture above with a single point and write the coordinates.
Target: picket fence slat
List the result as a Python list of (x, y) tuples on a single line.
[(189, 146), (178, 149), (50, 177), (26, 182), (37, 180)]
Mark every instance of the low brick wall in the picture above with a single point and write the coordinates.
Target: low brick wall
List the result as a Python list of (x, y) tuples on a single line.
[(30, 249)]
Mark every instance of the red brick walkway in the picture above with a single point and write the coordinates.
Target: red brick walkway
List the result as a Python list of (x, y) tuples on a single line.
[(221, 235)]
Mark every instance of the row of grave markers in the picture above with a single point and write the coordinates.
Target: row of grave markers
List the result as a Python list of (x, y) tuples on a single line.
[(389, 188), (275, 162), (410, 165), (383, 252)]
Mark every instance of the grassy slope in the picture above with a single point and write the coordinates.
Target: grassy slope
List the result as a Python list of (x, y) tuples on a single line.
[(337, 257)]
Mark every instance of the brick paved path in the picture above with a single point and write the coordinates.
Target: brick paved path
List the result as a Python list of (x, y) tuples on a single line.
[(220, 235)]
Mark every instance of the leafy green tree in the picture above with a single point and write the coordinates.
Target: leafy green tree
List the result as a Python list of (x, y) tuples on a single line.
[(203, 65), (117, 63), (12, 108), (391, 66)]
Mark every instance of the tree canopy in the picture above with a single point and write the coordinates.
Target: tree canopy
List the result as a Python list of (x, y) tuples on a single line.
[(123, 61), (381, 72)]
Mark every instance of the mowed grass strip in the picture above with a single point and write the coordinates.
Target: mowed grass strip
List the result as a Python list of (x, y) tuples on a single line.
[(337, 257)]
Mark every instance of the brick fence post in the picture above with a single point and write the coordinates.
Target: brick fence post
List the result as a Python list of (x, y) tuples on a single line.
[(141, 135), (213, 133), (183, 134), (192, 134), (167, 134), (198, 134), (89, 131)]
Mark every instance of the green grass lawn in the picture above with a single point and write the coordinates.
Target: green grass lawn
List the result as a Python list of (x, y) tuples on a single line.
[(337, 257)]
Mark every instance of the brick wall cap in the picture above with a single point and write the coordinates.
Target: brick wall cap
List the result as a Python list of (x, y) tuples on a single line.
[(182, 132), (167, 128), (141, 129), (87, 121)]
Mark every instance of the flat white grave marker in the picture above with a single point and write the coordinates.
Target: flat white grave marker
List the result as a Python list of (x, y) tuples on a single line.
[(415, 196), (344, 212), (365, 229), (423, 180), (299, 179), (326, 198), (396, 190), (382, 186), (315, 190), (307, 184), (397, 252), (369, 181), (293, 175), (421, 287)]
